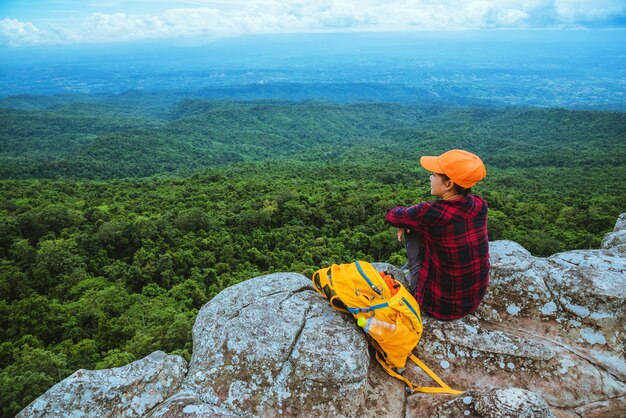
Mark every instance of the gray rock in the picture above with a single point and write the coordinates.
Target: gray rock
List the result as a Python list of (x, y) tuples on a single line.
[(590, 288), (128, 391), (474, 336), (615, 242), (487, 403), (510, 402), (186, 404), (272, 346)]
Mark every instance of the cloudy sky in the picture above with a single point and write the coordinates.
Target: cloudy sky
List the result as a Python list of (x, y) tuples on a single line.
[(57, 22)]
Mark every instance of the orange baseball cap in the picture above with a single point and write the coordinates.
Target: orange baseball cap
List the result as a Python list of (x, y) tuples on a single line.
[(462, 167)]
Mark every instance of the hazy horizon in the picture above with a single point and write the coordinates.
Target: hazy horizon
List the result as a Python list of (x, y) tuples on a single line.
[(548, 68)]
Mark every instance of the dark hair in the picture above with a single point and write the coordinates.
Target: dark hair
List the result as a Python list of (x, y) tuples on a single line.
[(457, 189)]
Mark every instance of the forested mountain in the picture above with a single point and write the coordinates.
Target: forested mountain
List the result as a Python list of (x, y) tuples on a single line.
[(118, 221), (190, 135), (106, 139)]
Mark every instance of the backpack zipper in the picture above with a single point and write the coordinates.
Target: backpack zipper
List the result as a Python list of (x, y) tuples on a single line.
[(374, 288)]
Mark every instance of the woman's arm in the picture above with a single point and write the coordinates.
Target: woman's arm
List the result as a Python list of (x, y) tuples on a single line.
[(406, 217)]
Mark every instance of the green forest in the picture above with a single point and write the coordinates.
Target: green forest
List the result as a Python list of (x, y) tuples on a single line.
[(120, 218)]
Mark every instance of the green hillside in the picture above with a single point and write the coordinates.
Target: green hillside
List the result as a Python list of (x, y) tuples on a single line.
[(112, 139), (102, 144)]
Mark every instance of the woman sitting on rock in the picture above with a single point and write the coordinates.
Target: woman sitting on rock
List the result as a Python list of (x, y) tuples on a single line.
[(446, 239)]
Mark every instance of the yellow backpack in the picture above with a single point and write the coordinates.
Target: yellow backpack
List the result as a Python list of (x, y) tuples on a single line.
[(358, 288)]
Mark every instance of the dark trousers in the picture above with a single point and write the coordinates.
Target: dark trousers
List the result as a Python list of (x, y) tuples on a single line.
[(415, 255)]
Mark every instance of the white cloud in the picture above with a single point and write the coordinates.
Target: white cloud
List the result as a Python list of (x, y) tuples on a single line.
[(237, 17), (506, 18), (511, 17), (584, 10), (102, 27), (16, 33)]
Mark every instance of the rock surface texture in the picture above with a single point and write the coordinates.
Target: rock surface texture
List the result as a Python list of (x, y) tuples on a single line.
[(548, 341), (129, 391)]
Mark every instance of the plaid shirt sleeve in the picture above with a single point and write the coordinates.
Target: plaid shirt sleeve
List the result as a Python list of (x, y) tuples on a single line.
[(454, 273)]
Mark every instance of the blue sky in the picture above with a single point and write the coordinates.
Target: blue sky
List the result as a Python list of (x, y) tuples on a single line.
[(62, 22)]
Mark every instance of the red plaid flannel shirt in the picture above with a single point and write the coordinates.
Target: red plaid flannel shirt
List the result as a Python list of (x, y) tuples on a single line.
[(454, 272)]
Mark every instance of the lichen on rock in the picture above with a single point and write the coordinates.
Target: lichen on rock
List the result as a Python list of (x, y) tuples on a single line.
[(128, 391)]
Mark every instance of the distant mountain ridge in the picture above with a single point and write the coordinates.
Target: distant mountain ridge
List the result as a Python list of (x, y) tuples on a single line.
[(108, 138)]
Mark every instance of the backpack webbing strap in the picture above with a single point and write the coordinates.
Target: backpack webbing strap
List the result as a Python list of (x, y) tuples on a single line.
[(355, 311), (442, 389), (447, 389)]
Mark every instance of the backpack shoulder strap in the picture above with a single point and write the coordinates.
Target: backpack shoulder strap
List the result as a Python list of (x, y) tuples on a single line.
[(443, 388)]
